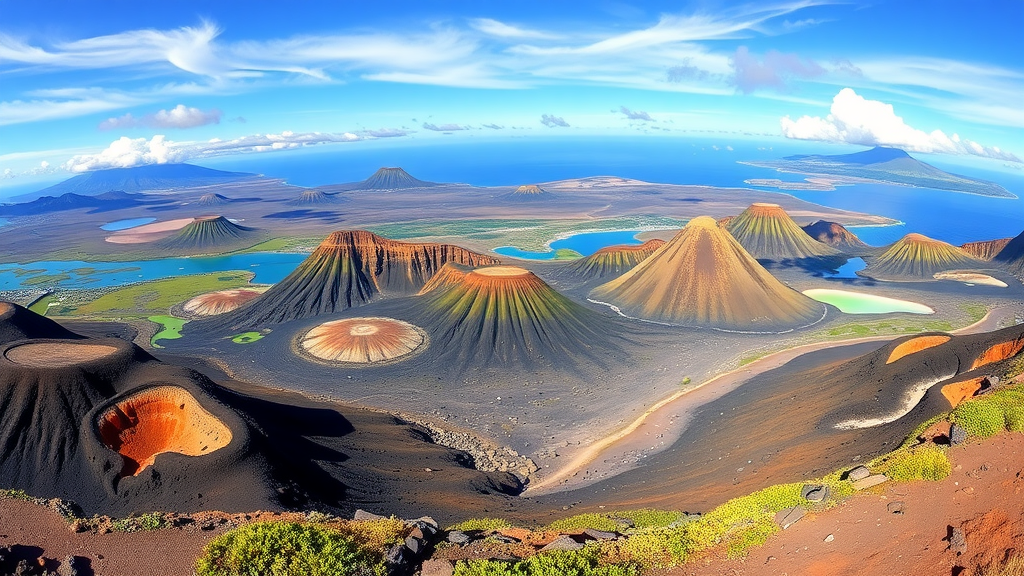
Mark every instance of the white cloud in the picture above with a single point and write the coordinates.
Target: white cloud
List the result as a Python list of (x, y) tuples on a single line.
[(501, 30), (552, 121), (178, 117), (854, 119), (636, 114), (443, 127)]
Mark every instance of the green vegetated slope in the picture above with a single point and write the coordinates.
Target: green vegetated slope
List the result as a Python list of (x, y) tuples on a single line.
[(155, 298)]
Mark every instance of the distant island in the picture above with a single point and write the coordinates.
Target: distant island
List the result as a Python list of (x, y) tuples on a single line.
[(138, 179), (880, 164)]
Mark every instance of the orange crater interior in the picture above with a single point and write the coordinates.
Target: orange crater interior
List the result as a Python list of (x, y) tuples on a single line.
[(998, 353), (915, 345), (158, 420)]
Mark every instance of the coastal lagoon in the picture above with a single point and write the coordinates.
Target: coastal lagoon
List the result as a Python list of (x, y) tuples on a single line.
[(862, 303), (583, 244)]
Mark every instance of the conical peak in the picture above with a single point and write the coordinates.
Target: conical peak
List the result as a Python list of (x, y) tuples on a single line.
[(392, 170), (915, 238), (702, 222), (649, 245), (766, 231), (503, 277), (306, 194), (352, 238), (529, 189), (210, 218), (502, 272)]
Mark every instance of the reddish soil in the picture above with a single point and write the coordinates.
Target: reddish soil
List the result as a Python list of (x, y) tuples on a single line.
[(916, 345), (983, 497), (149, 232)]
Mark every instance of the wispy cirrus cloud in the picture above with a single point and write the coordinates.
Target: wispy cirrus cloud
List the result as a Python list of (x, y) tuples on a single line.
[(444, 127), (493, 27)]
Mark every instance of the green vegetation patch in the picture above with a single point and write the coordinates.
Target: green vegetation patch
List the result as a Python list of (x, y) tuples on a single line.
[(156, 297), (642, 519), (247, 337), (297, 245), (988, 415), (171, 329), (567, 254), (481, 525), (585, 562), (287, 549), (888, 327), (151, 521), (45, 279), (925, 462), (42, 305)]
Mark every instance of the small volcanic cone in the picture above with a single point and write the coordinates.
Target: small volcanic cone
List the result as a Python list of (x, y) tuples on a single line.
[(835, 235), (159, 420), (212, 199), (392, 179), (362, 340), (18, 323), (314, 197), (768, 233), (349, 269), (528, 192), (613, 261), (916, 256), (985, 249), (208, 232), (1012, 255), (219, 302), (703, 277), (505, 314)]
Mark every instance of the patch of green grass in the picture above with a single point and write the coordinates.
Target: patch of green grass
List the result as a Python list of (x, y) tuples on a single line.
[(888, 327), (287, 549), (974, 310), (988, 415), (45, 279), (585, 562), (481, 525), (156, 297), (42, 305), (925, 462), (642, 519), (287, 244), (247, 337), (567, 254), (151, 521), (752, 358), (171, 329), (596, 521)]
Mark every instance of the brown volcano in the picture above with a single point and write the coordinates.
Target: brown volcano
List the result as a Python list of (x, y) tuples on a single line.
[(349, 269), (314, 197), (213, 303), (613, 261), (917, 257), (449, 275), (362, 340), (985, 249), (703, 277), (768, 233), (1012, 255), (835, 235), (209, 232)]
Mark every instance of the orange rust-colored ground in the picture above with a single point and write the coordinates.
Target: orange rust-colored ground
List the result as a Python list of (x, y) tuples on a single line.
[(57, 354), (158, 420), (148, 232), (214, 303), (998, 353), (957, 392), (915, 345)]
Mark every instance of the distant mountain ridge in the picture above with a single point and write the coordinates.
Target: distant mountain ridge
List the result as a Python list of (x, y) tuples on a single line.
[(105, 202), (890, 165), (138, 179)]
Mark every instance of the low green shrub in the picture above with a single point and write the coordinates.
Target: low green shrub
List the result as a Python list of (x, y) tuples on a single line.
[(585, 562), (925, 462), (646, 518), (481, 524), (583, 521), (151, 521), (286, 549), (988, 415)]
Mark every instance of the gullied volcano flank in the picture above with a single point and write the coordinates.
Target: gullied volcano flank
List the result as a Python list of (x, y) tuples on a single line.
[(985, 249), (212, 199), (916, 256), (349, 269), (17, 323), (528, 192), (1012, 255), (613, 261), (507, 314), (208, 232), (703, 277), (392, 179), (314, 197), (768, 233), (835, 235)]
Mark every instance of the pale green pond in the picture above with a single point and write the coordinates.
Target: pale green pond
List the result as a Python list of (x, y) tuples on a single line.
[(861, 303)]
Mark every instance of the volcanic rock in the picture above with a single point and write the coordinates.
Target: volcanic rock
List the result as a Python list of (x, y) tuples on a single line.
[(789, 516), (392, 179), (869, 482), (703, 277), (213, 303), (985, 249), (362, 340), (835, 235), (208, 232), (17, 322), (1012, 255), (767, 232), (314, 197), (529, 190), (505, 313), (349, 269), (613, 261), (563, 542), (917, 257)]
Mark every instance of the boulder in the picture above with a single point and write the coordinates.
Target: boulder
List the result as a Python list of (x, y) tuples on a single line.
[(868, 482), (414, 545), (937, 433), (789, 516), (957, 435), (437, 568), (600, 534), (458, 537), (815, 492), (858, 473), (562, 543), (957, 541), (364, 515)]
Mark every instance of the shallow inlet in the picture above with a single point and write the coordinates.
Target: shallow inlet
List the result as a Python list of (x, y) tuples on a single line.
[(585, 243), (861, 303)]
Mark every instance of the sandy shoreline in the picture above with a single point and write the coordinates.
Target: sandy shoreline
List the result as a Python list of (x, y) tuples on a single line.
[(664, 422)]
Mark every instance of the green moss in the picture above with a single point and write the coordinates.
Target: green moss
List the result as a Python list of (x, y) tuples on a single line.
[(987, 415), (247, 337), (151, 521), (585, 562), (286, 549), (642, 519), (481, 525), (567, 254), (925, 462), (974, 310), (584, 521), (171, 329), (42, 305)]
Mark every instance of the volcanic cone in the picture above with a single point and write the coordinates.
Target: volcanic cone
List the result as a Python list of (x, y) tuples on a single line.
[(314, 197), (613, 261), (362, 340), (767, 232), (835, 235), (17, 323), (703, 277), (349, 269), (392, 179), (505, 313), (527, 192), (213, 303), (916, 256), (1012, 255), (208, 232), (212, 199), (449, 275)]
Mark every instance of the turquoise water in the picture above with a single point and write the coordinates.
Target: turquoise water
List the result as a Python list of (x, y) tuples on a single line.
[(586, 244), (861, 303), (126, 224), (269, 267), (2, 222), (848, 270)]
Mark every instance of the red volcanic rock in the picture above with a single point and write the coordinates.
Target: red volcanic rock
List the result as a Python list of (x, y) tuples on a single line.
[(985, 249)]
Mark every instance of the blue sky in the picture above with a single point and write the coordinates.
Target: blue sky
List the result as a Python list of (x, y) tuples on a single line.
[(90, 85)]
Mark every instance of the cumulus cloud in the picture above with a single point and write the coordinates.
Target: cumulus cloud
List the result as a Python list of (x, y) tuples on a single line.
[(772, 71), (129, 152), (386, 133), (636, 114), (180, 116), (552, 121), (443, 127), (854, 119)]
